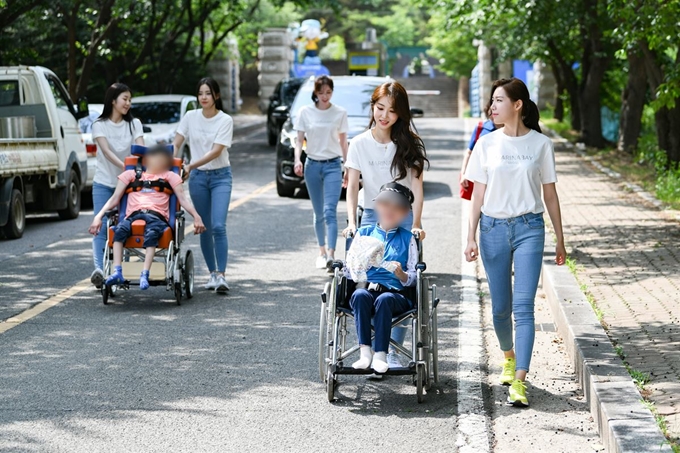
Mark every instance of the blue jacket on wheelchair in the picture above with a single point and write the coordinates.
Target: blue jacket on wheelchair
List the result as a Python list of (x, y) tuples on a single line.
[(400, 246)]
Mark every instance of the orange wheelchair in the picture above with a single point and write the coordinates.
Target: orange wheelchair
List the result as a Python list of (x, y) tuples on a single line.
[(173, 267)]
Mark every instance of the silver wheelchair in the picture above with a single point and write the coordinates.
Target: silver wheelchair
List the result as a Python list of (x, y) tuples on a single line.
[(423, 359)]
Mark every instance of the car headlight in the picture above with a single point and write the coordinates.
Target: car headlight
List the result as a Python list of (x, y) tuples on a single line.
[(288, 138)]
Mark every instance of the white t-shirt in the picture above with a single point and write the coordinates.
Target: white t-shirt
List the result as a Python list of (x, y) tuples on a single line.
[(322, 128), (514, 170), (120, 137), (203, 133), (374, 161)]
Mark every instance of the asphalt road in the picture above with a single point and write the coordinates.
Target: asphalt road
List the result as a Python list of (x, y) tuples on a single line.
[(234, 373)]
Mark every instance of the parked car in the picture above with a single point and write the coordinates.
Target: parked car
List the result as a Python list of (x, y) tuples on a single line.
[(160, 114), (85, 125), (43, 162), (279, 103), (353, 93)]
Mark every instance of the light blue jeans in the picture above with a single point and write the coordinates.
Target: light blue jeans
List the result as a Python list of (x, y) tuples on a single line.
[(502, 243), (211, 194), (370, 217), (100, 195), (324, 185)]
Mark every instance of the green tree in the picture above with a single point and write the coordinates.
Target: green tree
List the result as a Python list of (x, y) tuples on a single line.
[(452, 45)]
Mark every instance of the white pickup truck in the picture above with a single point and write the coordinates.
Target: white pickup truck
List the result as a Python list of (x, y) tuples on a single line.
[(43, 161)]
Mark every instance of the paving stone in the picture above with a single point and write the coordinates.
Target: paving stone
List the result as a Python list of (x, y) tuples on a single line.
[(629, 261)]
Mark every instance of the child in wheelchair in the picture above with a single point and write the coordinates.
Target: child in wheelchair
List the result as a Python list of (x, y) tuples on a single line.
[(380, 298), (148, 200)]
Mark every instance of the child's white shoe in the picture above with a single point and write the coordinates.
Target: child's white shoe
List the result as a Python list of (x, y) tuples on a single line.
[(379, 363), (365, 360)]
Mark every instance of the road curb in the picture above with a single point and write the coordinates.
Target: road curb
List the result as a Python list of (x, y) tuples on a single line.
[(624, 424)]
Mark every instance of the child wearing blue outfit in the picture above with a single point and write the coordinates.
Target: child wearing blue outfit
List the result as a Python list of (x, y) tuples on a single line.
[(381, 297)]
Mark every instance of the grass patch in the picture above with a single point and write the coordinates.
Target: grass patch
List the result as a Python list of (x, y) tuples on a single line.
[(662, 424)]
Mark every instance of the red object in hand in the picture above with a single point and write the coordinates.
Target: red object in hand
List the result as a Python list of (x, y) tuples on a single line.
[(466, 194)]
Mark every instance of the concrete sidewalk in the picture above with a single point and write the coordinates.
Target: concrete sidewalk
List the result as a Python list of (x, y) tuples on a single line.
[(629, 264)]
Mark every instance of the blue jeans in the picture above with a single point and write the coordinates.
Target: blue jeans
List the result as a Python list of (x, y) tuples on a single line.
[(153, 230), (211, 193), (100, 195), (370, 217), (324, 185), (502, 243), (382, 307)]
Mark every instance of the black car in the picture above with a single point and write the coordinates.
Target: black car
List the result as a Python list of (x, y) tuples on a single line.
[(353, 93), (279, 103)]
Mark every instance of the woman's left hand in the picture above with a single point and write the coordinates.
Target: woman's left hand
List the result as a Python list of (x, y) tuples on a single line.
[(560, 254), (419, 233)]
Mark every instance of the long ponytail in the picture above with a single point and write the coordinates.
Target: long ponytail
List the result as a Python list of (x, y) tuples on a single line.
[(516, 90)]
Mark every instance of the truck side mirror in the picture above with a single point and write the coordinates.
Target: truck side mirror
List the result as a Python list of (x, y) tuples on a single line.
[(83, 108)]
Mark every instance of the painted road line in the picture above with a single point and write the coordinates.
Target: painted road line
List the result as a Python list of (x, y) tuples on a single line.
[(84, 285), (44, 305), (473, 423)]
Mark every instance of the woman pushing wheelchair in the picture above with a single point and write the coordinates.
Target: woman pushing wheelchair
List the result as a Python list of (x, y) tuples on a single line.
[(379, 298)]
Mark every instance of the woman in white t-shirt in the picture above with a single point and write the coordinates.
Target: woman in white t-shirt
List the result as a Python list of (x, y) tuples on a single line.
[(209, 131), (114, 132), (389, 150), (325, 127), (510, 169)]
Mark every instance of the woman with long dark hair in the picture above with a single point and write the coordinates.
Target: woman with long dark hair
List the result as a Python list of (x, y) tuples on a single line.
[(325, 126), (209, 131), (511, 169), (115, 131), (390, 150)]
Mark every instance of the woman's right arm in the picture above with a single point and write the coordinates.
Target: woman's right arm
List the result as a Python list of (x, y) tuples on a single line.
[(298, 153), (352, 198), (466, 159), (103, 144), (177, 143), (472, 250)]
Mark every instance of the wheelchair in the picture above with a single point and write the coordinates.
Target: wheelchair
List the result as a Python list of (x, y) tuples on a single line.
[(333, 332), (173, 267)]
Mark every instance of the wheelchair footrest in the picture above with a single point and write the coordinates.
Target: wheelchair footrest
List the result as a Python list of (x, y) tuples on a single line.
[(401, 371)]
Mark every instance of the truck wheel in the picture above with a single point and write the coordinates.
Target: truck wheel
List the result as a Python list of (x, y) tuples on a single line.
[(72, 198), (16, 221)]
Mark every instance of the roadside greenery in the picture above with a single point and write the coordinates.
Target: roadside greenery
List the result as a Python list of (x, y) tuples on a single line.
[(623, 54)]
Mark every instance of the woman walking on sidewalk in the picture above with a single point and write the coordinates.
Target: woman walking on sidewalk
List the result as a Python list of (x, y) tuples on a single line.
[(325, 127), (115, 131), (209, 131), (510, 168)]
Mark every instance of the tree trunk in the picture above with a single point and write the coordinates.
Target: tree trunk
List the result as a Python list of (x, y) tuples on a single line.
[(593, 67), (667, 131), (632, 103), (558, 114), (569, 83)]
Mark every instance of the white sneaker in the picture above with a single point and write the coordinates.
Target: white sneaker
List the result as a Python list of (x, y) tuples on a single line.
[(321, 262), (221, 285), (97, 278), (393, 360), (212, 283)]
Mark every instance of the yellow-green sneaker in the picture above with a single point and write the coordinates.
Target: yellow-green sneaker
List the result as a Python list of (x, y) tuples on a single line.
[(508, 373), (517, 395)]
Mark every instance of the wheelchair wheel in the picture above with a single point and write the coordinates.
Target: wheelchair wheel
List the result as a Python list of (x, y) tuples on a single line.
[(420, 382), (324, 336), (189, 274)]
